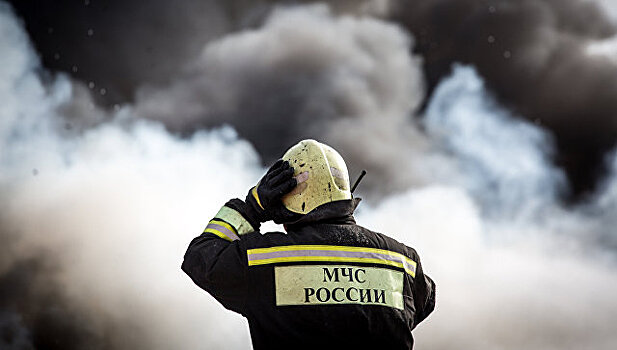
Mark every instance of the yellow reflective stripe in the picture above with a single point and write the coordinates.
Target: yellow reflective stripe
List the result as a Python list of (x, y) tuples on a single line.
[(254, 192), (325, 258), (332, 259), (218, 233), (331, 248), (320, 253), (224, 224), (240, 225), (219, 227)]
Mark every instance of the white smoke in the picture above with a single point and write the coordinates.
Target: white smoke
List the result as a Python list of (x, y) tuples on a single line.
[(116, 205), (114, 208)]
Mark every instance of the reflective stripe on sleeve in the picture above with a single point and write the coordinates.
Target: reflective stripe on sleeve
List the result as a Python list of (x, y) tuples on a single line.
[(318, 253), (235, 219), (222, 229)]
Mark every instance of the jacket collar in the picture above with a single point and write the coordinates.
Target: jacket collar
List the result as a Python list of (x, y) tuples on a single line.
[(337, 212)]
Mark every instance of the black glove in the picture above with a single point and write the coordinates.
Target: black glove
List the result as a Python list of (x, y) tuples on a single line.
[(265, 198)]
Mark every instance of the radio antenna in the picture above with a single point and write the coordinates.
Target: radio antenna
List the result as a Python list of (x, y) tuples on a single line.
[(358, 181)]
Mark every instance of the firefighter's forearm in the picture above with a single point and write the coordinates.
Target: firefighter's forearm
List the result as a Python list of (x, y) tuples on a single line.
[(232, 220)]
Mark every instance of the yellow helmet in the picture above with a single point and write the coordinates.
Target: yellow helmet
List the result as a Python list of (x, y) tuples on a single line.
[(321, 173)]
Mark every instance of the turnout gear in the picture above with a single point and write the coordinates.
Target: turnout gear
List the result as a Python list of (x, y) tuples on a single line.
[(322, 176), (328, 283)]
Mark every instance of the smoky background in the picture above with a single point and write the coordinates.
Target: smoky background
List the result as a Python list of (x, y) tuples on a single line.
[(487, 129)]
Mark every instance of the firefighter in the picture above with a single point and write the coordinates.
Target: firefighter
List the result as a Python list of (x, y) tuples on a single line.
[(327, 283)]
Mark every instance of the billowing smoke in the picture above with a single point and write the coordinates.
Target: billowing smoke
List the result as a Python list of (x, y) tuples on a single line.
[(307, 74), (97, 206), (533, 55)]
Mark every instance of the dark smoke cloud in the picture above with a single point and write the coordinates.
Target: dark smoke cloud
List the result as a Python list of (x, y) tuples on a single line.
[(119, 45), (533, 55)]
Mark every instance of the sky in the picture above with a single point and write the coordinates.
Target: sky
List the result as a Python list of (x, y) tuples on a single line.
[(487, 129)]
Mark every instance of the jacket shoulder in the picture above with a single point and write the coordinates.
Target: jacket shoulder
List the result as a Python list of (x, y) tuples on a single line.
[(386, 242)]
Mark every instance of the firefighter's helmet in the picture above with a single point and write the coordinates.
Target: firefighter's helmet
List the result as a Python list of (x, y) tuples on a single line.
[(321, 173)]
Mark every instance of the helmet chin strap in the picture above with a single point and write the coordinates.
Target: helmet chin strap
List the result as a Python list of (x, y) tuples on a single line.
[(358, 180)]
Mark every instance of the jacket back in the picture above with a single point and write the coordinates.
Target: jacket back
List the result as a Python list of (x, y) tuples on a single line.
[(326, 283)]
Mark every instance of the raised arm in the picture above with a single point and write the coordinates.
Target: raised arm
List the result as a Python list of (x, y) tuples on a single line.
[(216, 261)]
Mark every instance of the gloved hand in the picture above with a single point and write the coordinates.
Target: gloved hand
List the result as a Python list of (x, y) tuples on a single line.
[(265, 197)]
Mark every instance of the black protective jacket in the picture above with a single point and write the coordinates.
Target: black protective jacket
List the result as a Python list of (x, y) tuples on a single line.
[(327, 284)]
